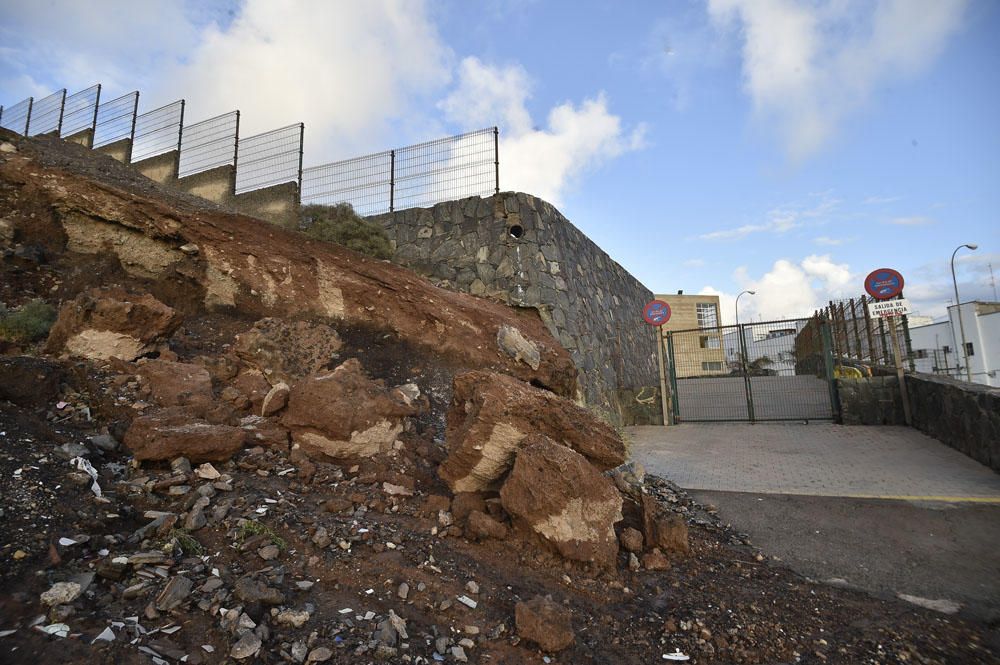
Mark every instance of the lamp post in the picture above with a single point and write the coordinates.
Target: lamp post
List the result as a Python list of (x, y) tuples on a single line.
[(958, 305), (743, 340), (753, 293)]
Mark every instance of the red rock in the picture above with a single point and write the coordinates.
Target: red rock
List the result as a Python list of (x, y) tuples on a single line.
[(664, 529), (544, 622), (631, 539), (655, 560), (466, 502), (344, 414), (173, 433), (111, 323), (176, 384), (253, 384), (556, 494), (492, 414), (481, 526), (288, 350)]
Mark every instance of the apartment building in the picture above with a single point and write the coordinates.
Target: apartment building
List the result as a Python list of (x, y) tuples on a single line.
[(698, 351)]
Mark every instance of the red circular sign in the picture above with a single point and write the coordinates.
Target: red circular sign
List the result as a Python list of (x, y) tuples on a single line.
[(884, 283), (656, 312)]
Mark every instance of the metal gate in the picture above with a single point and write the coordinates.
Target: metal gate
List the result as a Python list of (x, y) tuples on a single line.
[(773, 370)]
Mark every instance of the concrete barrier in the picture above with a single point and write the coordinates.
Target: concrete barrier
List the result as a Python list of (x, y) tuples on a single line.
[(161, 168), (278, 204), (120, 150), (217, 185), (84, 138)]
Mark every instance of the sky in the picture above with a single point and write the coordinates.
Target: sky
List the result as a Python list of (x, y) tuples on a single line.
[(711, 146)]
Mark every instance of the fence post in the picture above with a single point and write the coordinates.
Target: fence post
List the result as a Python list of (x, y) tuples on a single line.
[(824, 328), (496, 157), (27, 121), (131, 135), (180, 139), (93, 124), (236, 155), (62, 109), (302, 141), (392, 180)]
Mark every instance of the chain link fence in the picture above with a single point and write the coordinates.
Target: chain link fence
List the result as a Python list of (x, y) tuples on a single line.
[(158, 131), (269, 159), (209, 144)]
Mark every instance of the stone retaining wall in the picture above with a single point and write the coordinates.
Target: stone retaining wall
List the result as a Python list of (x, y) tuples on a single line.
[(521, 250), (965, 416)]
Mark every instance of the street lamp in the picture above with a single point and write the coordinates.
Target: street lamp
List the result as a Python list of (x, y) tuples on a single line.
[(958, 305), (753, 293)]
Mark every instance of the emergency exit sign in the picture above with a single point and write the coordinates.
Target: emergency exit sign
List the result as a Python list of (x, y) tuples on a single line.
[(886, 308)]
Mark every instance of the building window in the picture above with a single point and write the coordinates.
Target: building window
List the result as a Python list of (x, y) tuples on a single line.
[(711, 367), (920, 353), (709, 342), (708, 315), (968, 350)]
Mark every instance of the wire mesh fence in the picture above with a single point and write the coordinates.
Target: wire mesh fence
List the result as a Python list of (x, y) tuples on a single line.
[(417, 175), (158, 131), (80, 111), (116, 119), (269, 159), (364, 182), (745, 372), (209, 144), (47, 114), (15, 118)]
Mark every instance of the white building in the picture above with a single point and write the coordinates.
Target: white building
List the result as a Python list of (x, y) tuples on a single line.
[(774, 342), (937, 347)]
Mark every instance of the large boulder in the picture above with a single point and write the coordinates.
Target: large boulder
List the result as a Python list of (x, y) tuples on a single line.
[(344, 414), (172, 433), (29, 381), (544, 622), (492, 414), (176, 384), (111, 322), (288, 350), (664, 529), (558, 495)]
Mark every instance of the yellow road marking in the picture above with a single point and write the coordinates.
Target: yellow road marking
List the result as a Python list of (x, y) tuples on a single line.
[(947, 499)]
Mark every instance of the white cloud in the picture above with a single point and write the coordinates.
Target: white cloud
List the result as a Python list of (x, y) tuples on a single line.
[(830, 242), (694, 263), (911, 221), (780, 220), (808, 65), (788, 289), (345, 69), (881, 200), (544, 162)]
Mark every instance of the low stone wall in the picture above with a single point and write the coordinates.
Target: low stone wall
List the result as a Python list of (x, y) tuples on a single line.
[(119, 150), (965, 416), (278, 204), (159, 168), (217, 185), (520, 249)]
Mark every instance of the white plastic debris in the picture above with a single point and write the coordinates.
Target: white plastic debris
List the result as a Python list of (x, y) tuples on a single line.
[(107, 635), (676, 655), (5, 633), (83, 465), (57, 629), (346, 610), (66, 542), (208, 648), (465, 600)]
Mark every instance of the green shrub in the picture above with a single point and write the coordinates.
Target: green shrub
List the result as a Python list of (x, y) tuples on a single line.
[(340, 224), (29, 322)]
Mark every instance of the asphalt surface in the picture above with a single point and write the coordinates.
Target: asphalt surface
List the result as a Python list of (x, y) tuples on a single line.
[(884, 509)]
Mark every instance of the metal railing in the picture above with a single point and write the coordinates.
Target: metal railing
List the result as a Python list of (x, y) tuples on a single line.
[(269, 159), (209, 144), (16, 117), (47, 114), (116, 120), (158, 131), (413, 176), (80, 111)]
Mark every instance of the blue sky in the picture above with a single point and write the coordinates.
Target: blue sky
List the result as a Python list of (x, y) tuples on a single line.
[(719, 145)]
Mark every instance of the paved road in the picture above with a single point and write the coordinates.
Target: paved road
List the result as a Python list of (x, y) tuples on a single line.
[(774, 398), (885, 509)]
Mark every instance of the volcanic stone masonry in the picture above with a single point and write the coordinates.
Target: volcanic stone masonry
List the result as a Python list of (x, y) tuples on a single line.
[(520, 249)]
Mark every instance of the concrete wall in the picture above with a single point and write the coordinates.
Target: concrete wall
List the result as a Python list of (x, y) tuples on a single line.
[(217, 185), (161, 168), (84, 138), (521, 250), (278, 205), (120, 150), (965, 416)]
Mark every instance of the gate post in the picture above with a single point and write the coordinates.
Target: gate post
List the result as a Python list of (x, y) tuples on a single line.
[(674, 397), (831, 382), (747, 388)]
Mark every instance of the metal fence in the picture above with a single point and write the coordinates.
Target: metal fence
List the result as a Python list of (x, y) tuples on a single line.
[(158, 131), (745, 372), (16, 117), (269, 159), (116, 120), (412, 176), (80, 111), (209, 144), (860, 341), (417, 175), (47, 114)]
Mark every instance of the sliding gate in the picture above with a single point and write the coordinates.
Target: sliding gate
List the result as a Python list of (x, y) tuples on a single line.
[(776, 370)]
